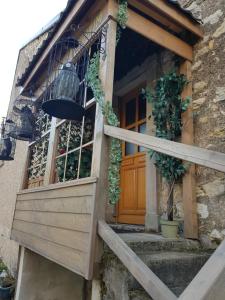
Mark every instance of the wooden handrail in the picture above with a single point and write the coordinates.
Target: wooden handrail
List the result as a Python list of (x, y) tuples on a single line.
[(207, 158), (149, 281), (209, 282)]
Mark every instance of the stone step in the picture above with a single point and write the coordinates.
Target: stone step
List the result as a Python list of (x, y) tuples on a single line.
[(127, 228), (138, 295), (146, 242), (175, 269)]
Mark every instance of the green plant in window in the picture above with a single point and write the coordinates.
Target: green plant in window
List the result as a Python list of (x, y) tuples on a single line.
[(167, 108)]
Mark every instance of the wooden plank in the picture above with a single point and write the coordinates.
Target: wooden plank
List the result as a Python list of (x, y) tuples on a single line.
[(144, 7), (77, 222), (67, 238), (189, 185), (208, 284), (149, 281), (156, 34), (176, 15), (66, 257), (73, 205), (207, 158), (64, 192)]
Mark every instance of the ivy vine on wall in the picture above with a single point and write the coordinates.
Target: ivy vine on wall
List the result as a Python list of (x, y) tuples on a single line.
[(95, 84), (167, 108)]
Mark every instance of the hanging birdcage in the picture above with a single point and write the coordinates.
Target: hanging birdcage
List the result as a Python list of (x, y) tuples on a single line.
[(24, 126), (64, 96), (7, 144)]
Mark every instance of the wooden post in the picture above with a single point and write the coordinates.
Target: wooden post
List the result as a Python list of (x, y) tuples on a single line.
[(50, 156), (189, 188), (152, 214), (100, 152)]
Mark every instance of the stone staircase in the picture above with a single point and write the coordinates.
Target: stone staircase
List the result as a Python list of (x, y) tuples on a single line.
[(175, 262)]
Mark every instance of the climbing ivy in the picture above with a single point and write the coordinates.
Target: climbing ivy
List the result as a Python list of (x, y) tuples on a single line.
[(115, 156), (168, 106), (95, 84), (122, 17)]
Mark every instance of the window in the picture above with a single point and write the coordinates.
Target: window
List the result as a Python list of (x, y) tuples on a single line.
[(38, 152), (74, 148)]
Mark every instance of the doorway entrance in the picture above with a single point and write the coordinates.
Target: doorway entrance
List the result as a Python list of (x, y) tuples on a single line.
[(132, 204)]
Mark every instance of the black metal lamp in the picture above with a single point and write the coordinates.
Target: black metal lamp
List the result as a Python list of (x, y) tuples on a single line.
[(63, 102), (23, 129), (7, 145)]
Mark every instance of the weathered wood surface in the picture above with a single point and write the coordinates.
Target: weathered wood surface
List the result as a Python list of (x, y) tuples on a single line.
[(209, 283), (155, 33), (189, 185), (150, 282), (164, 8), (56, 223), (207, 158)]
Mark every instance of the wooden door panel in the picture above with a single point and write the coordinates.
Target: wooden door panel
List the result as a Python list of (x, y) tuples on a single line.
[(141, 189), (128, 188), (131, 208)]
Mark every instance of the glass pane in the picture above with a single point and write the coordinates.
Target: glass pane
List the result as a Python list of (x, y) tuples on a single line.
[(130, 111), (89, 123), (63, 138), (85, 164), (60, 167), (130, 148), (141, 107), (75, 135), (142, 129), (72, 166)]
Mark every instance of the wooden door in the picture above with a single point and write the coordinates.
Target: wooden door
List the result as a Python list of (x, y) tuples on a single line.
[(131, 208)]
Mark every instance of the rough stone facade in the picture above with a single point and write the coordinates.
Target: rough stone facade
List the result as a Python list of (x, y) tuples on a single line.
[(11, 172), (209, 111)]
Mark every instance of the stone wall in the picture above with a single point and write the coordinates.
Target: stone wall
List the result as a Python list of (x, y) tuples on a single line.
[(209, 114), (11, 172)]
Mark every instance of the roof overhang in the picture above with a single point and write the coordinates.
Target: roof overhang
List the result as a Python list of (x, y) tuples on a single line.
[(166, 13)]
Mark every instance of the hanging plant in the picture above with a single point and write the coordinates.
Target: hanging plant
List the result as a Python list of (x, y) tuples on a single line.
[(167, 108), (115, 158), (122, 17)]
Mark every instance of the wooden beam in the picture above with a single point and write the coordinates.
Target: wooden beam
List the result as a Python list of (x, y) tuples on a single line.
[(149, 281), (189, 185), (148, 10), (207, 158), (158, 35), (176, 15), (155, 33), (208, 284)]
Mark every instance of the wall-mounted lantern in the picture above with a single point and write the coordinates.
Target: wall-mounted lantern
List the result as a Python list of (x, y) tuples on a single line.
[(7, 144), (64, 96)]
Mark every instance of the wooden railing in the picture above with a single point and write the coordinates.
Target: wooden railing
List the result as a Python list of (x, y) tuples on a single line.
[(150, 282), (207, 158), (209, 282)]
